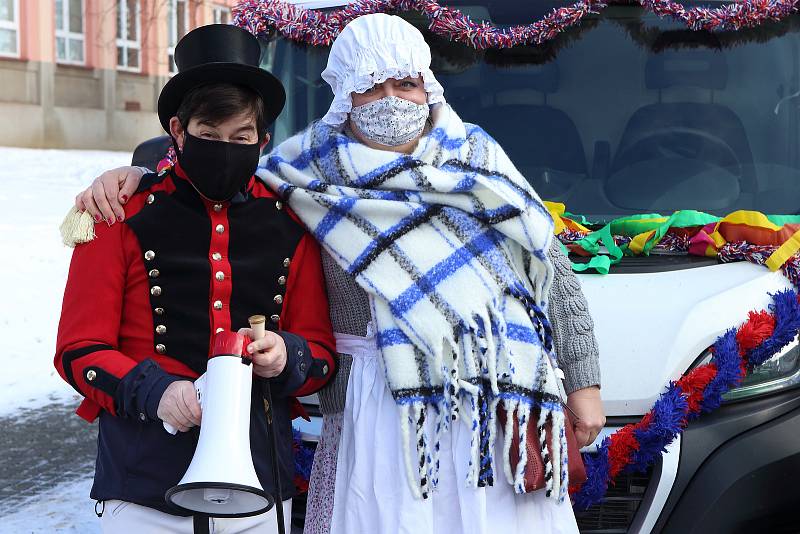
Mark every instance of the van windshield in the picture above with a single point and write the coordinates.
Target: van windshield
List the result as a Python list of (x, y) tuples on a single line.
[(627, 113)]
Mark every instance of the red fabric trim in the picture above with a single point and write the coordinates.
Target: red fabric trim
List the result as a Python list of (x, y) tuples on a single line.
[(88, 410), (219, 290), (296, 410), (261, 190), (139, 200), (179, 171), (294, 216), (173, 366)]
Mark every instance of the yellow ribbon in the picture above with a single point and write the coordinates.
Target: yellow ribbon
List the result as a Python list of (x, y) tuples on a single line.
[(749, 218), (789, 248), (637, 243), (556, 210)]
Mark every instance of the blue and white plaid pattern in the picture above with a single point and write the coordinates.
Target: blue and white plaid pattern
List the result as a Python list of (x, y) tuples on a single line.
[(450, 243)]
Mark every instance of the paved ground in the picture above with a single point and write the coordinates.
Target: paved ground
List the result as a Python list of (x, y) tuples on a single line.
[(42, 448)]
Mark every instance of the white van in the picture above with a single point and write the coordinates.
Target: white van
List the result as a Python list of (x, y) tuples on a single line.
[(625, 114)]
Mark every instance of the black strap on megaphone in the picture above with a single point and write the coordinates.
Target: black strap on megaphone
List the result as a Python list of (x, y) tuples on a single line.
[(276, 476), (200, 524)]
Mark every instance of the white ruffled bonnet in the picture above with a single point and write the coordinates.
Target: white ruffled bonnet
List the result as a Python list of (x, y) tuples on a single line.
[(372, 49)]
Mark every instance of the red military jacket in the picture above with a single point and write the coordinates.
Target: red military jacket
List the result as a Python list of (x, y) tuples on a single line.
[(180, 267)]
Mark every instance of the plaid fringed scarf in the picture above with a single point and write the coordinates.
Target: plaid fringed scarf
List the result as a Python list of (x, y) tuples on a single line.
[(450, 242)]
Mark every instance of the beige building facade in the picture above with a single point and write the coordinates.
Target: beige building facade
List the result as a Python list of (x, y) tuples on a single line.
[(87, 73)]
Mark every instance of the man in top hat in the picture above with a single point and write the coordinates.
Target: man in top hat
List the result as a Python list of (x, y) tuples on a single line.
[(204, 245)]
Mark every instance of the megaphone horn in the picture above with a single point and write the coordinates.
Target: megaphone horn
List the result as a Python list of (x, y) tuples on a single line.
[(221, 480)]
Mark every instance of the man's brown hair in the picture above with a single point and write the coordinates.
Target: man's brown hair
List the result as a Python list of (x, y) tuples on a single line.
[(217, 102)]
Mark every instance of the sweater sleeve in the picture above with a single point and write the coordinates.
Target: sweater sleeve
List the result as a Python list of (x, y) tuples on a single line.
[(573, 329)]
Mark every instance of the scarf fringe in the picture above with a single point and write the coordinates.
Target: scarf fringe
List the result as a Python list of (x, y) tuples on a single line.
[(555, 446), (441, 427), (423, 458), (405, 419), (483, 428), (523, 412), (510, 407), (487, 423), (462, 398), (545, 450), (473, 472), (564, 468)]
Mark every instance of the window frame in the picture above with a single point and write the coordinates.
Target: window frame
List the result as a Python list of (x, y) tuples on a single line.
[(69, 35), (217, 10), (124, 42), (12, 25), (172, 13)]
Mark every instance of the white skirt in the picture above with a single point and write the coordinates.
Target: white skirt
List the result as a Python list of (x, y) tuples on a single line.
[(372, 494)]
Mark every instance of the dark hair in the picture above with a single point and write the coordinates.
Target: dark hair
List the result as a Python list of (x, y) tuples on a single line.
[(216, 102)]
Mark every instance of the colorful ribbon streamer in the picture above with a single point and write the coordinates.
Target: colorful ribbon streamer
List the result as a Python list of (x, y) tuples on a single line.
[(321, 27), (688, 231)]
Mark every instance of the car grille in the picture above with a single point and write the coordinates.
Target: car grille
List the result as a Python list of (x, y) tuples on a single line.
[(616, 511)]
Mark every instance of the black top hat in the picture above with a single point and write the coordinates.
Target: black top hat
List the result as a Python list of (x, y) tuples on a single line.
[(219, 53)]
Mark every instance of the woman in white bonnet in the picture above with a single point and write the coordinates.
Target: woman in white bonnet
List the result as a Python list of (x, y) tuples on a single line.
[(440, 263), (371, 475)]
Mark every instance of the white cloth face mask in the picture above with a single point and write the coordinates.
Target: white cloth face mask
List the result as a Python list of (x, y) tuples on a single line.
[(390, 121)]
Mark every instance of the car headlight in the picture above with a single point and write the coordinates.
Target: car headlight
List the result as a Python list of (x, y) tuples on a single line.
[(779, 373)]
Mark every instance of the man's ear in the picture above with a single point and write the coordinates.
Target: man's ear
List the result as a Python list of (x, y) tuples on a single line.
[(176, 131), (264, 141)]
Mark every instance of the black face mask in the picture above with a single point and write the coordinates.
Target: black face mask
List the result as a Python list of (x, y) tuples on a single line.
[(217, 169)]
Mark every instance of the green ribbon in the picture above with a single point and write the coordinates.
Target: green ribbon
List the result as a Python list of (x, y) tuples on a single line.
[(633, 225), (599, 263), (781, 220)]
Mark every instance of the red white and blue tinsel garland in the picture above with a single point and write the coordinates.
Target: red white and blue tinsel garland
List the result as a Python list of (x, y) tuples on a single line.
[(636, 446), (316, 27)]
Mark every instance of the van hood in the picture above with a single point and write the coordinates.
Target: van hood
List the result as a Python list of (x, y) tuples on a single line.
[(651, 327)]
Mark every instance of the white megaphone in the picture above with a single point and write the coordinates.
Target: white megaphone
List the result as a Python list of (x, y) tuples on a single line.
[(221, 480)]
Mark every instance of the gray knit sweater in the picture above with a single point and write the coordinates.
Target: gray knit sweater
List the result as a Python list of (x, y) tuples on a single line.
[(573, 329)]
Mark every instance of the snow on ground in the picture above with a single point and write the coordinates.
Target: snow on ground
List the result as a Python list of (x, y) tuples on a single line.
[(65, 509), (37, 187)]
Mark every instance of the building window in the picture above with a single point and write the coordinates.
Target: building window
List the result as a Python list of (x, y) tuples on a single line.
[(9, 28), (177, 26), (222, 15), (69, 31), (129, 39)]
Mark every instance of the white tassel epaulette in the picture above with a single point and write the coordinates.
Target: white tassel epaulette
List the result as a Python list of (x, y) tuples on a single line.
[(77, 228)]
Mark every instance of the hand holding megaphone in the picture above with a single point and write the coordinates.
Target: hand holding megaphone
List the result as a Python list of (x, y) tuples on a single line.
[(268, 350), (179, 407)]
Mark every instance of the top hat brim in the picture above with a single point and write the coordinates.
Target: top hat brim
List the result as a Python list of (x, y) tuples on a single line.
[(262, 82)]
